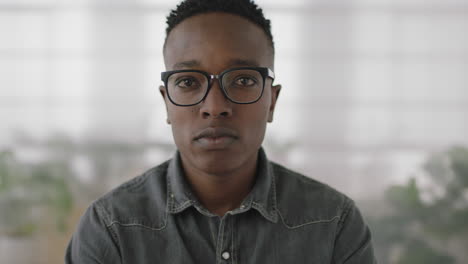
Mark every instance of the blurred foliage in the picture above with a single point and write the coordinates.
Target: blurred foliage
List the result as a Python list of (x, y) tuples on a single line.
[(32, 193), (39, 191), (420, 220), (417, 251)]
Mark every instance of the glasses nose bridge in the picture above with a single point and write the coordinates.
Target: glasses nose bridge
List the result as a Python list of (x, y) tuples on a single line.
[(212, 77)]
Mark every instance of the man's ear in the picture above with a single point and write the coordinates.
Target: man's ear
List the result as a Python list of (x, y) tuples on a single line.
[(162, 90), (275, 91)]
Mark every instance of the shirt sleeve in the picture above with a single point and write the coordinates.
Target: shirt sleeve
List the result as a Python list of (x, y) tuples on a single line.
[(92, 242), (353, 239)]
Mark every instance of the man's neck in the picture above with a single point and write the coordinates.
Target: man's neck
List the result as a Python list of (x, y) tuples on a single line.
[(222, 193)]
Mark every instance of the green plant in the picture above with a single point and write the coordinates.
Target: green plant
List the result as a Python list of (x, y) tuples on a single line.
[(31, 192), (420, 220)]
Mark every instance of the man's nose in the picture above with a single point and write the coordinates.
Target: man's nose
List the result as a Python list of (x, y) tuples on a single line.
[(216, 104)]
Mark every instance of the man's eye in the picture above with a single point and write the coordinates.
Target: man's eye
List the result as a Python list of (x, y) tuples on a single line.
[(244, 81), (187, 83)]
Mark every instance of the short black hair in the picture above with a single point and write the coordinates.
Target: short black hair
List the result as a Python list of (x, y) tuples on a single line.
[(244, 8)]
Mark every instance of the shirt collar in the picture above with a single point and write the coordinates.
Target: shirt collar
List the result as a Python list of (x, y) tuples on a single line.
[(179, 193), (261, 198), (263, 194)]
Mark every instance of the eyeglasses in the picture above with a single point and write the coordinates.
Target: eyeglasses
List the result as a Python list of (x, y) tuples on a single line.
[(242, 85)]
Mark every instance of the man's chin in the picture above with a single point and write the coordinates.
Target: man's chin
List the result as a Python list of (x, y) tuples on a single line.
[(216, 163)]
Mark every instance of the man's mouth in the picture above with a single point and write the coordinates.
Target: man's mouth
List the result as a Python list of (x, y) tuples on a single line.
[(215, 137)]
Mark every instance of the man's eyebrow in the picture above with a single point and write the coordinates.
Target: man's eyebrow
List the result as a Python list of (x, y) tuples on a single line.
[(186, 64), (243, 62), (231, 63)]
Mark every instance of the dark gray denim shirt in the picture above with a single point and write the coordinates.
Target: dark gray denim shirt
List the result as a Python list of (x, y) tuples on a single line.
[(287, 218)]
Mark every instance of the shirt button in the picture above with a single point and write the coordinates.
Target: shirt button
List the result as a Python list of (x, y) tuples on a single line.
[(242, 206), (226, 255)]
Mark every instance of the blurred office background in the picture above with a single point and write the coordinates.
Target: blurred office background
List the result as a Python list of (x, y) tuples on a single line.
[(374, 103)]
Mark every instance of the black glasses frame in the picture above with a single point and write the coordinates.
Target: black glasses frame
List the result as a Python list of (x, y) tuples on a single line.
[(264, 71)]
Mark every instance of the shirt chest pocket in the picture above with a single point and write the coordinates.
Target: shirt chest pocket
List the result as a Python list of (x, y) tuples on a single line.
[(307, 242)]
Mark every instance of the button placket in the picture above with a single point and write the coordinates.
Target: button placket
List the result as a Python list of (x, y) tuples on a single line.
[(224, 240)]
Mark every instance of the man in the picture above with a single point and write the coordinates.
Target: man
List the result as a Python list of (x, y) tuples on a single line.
[(220, 200)]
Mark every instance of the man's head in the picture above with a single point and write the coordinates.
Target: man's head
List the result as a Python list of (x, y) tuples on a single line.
[(215, 133)]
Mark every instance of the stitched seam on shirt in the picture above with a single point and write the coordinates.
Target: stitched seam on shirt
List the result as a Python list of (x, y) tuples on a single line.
[(171, 200), (274, 202), (113, 234), (182, 206), (222, 237), (233, 250), (101, 211), (308, 223), (213, 235), (220, 240), (137, 225), (273, 183), (264, 211), (345, 210), (169, 195), (270, 216)]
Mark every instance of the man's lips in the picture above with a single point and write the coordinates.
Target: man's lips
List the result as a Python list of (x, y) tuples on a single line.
[(215, 138), (215, 132)]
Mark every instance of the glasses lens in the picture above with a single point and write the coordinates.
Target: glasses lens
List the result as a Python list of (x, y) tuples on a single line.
[(187, 88), (243, 86)]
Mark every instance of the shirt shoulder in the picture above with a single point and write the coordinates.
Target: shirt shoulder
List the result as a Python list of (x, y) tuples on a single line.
[(141, 201), (302, 200)]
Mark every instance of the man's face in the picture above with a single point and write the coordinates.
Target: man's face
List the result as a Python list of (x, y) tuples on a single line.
[(232, 133)]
